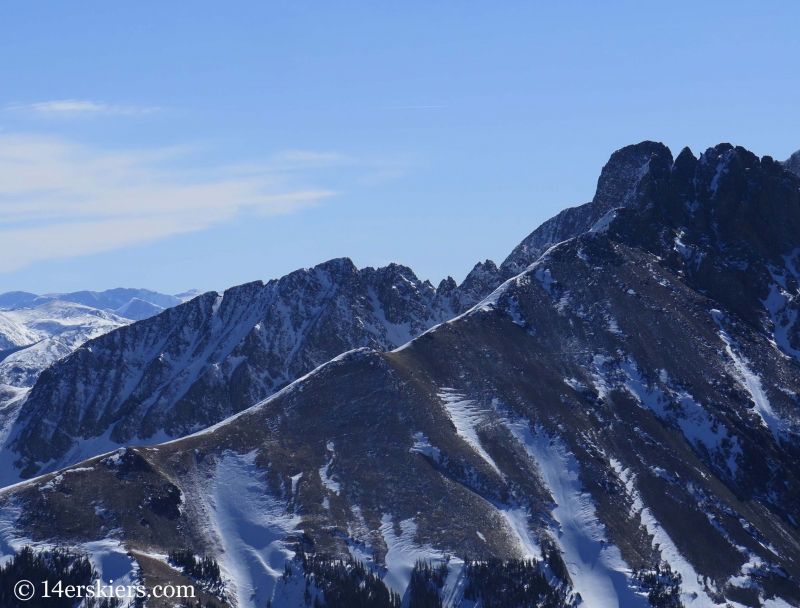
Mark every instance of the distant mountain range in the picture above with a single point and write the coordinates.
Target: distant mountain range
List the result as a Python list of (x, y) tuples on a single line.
[(36, 331), (617, 403), (134, 304), (37, 337)]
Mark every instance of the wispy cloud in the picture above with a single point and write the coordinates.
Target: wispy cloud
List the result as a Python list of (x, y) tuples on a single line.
[(308, 156), (60, 199), (69, 108), (412, 107)]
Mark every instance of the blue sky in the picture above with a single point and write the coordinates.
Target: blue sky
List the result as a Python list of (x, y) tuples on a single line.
[(177, 145)]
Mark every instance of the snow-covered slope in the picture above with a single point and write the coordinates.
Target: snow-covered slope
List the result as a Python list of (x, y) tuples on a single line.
[(53, 331), (134, 304), (114, 299), (188, 295), (217, 354), (137, 309), (14, 334), (42, 335), (623, 410), (16, 299)]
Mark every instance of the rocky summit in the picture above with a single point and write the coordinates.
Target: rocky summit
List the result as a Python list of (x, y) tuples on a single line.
[(615, 424), (217, 354)]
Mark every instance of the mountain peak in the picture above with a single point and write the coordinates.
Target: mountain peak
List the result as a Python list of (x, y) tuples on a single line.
[(446, 287), (621, 184), (686, 158), (216, 354), (622, 174), (726, 181), (792, 164), (628, 401)]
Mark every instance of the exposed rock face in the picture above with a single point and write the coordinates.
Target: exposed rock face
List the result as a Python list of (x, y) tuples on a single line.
[(215, 355), (35, 338), (482, 280), (793, 163), (622, 183), (631, 398)]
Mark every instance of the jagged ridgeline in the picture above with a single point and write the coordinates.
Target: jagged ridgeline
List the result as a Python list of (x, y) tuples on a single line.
[(627, 402), (218, 354)]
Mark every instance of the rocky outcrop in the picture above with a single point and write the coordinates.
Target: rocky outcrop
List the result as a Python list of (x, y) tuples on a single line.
[(622, 183), (482, 280), (792, 163), (627, 404), (217, 354)]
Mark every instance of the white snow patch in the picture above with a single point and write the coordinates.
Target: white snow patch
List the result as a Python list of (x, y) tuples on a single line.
[(685, 251), (596, 566), (10, 540), (783, 317), (324, 473), (454, 585), (13, 400), (613, 326), (722, 168), (466, 415), (514, 311), (545, 277), (697, 425), (604, 222), (249, 525), (600, 365), (422, 445), (517, 518), (295, 479), (693, 591), (402, 553), (750, 381), (576, 384), (112, 562)]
